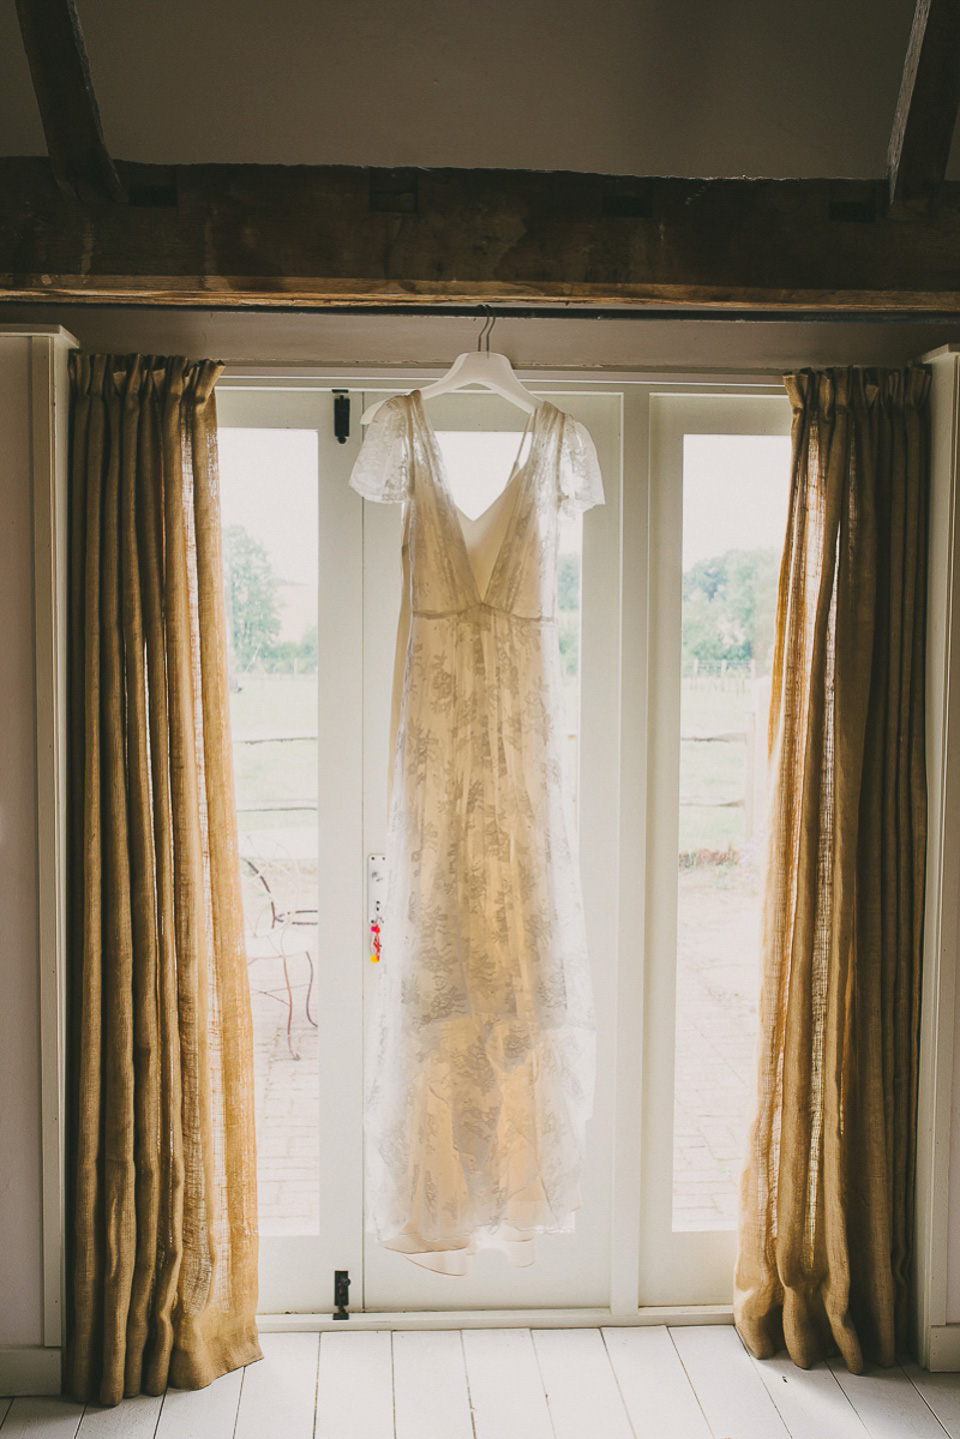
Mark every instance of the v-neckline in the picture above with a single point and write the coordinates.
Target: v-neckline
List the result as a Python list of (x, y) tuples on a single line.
[(457, 516)]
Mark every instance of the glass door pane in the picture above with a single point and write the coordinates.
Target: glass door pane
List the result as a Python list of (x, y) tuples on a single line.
[(734, 520), (269, 513), (292, 543), (719, 486)]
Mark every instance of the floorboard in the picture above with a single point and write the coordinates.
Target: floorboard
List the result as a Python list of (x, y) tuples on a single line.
[(430, 1385), (355, 1386), (640, 1382), (279, 1394), (888, 1403), (135, 1418), (656, 1391), (941, 1392), (732, 1395), (506, 1390), (810, 1402), (53, 1418), (209, 1413), (580, 1384)]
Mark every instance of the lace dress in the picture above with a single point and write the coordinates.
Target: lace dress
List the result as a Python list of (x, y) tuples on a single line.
[(481, 1055)]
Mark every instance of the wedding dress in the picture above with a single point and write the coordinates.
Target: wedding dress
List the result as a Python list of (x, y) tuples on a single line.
[(481, 1058)]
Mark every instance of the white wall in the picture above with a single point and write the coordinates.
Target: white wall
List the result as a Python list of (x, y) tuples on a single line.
[(20, 1200)]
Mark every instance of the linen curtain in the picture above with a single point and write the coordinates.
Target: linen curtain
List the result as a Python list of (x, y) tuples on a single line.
[(826, 1225), (162, 1271)]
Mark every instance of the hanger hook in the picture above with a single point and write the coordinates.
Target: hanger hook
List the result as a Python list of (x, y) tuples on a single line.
[(483, 340), (493, 321)]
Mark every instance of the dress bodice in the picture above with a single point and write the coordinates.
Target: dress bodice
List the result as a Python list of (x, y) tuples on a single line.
[(403, 462)]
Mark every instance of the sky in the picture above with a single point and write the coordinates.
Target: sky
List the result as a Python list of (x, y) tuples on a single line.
[(735, 490), (268, 484)]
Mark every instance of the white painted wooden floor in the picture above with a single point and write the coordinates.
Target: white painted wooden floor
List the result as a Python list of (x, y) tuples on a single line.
[(643, 1383)]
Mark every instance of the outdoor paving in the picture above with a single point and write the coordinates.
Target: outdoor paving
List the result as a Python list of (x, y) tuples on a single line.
[(717, 985), (716, 991), (288, 1089)]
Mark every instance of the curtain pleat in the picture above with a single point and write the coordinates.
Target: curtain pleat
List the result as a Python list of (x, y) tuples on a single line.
[(163, 1283), (826, 1221)]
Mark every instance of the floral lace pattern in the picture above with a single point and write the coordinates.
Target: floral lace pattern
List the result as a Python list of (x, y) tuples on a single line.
[(481, 1056)]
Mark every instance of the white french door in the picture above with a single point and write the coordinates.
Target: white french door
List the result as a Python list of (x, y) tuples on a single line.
[(293, 559), (660, 750)]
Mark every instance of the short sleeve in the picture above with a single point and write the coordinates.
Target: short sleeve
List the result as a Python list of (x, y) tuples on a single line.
[(382, 468), (579, 480)]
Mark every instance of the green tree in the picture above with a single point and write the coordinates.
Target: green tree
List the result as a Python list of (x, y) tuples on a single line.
[(729, 609), (568, 582), (752, 577), (703, 638), (253, 611), (293, 657), (707, 577), (568, 617)]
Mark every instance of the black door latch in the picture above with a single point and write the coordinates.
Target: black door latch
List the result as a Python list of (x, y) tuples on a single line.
[(341, 416), (341, 1293)]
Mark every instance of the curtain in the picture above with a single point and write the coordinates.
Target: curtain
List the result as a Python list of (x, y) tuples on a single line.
[(826, 1222), (162, 1270)]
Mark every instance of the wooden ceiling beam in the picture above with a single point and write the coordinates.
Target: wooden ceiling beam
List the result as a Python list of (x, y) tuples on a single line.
[(927, 108), (57, 56), (311, 236)]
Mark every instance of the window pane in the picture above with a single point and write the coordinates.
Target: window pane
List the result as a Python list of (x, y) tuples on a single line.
[(269, 511), (735, 490)]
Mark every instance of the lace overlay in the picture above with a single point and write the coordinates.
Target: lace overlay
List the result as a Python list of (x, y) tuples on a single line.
[(481, 1056)]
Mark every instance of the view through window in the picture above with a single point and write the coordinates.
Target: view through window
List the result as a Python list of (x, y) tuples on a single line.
[(735, 491), (269, 516)]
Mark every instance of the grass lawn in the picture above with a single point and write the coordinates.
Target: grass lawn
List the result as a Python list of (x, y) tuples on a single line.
[(287, 769), (279, 769), (718, 771)]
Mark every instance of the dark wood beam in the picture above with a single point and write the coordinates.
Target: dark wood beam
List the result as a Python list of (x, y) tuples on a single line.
[(927, 108), (57, 56), (304, 236)]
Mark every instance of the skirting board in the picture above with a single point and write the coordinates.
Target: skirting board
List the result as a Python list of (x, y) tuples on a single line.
[(944, 1348), (29, 1371)]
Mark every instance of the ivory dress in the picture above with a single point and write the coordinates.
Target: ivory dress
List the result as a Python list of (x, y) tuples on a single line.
[(481, 1054)]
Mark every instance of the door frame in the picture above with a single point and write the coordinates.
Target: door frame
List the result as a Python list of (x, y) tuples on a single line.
[(636, 695), (940, 972), (290, 1262)]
